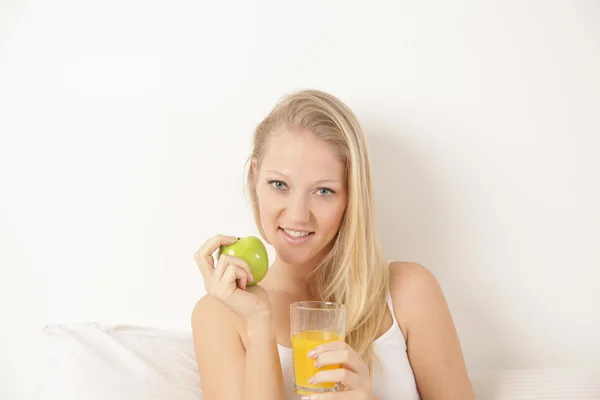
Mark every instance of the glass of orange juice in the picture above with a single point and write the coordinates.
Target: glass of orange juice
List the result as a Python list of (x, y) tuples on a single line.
[(312, 324)]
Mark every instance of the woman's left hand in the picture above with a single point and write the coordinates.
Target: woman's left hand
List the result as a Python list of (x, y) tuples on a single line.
[(353, 374)]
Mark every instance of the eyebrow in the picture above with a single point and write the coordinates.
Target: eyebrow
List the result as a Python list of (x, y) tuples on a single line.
[(317, 182)]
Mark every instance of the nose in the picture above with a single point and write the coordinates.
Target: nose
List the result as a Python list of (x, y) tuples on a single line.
[(298, 210)]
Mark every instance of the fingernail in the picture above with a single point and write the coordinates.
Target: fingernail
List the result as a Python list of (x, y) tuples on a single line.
[(311, 380), (311, 353), (251, 278), (316, 364)]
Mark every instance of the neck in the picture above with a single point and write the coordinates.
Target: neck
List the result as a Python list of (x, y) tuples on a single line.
[(291, 278)]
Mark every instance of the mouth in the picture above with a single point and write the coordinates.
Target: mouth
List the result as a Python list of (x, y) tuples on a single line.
[(294, 236)]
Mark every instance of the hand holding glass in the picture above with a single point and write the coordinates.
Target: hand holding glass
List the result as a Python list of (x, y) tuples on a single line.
[(312, 324)]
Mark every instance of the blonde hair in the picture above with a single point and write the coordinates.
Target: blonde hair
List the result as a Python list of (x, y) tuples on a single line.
[(354, 271)]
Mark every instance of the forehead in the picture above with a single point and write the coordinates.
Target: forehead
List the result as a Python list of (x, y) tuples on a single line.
[(302, 154)]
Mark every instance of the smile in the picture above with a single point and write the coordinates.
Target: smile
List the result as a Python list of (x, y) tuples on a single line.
[(296, 233), (295, 237)]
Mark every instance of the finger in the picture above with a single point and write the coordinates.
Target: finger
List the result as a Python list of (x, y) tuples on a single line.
[(241, 278), (346, 357), (239, 274), (238, 262), (203, 255), (234, 274), (341, 375), (219, 271), (329, 346)]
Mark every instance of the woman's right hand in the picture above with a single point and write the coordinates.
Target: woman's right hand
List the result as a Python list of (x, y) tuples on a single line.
[(227, 281)]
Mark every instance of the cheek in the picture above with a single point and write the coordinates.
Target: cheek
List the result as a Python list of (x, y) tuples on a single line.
[(267, 206), (331, 217)]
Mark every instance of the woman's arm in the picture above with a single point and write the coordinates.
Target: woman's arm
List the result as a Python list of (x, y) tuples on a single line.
[(433, 345), (231, 369)]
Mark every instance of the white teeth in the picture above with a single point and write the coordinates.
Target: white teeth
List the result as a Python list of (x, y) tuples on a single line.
[(296, 234)]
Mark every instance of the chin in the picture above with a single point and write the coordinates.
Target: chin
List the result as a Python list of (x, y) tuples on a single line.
[(293, 257)]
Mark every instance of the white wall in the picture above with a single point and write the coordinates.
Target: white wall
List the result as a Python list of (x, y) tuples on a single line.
[(126, 124)]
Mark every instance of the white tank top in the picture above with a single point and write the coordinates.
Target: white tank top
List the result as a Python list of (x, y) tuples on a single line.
[(394, 380)]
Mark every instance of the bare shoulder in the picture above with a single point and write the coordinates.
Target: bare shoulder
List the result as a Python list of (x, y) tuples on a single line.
[(206, 305), (218, 348), (209, 309), (433, 344), (209, 306), (404, 274), (412, 287), (210, 316)]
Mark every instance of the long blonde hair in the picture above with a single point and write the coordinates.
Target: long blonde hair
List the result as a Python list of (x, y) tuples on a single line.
[(354, 271)]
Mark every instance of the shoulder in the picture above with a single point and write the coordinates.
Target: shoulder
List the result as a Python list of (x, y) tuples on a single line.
[(403, 271), (218, 348), (414, 290), (433, 344), (409, 279), (207, 306), (221, 318)]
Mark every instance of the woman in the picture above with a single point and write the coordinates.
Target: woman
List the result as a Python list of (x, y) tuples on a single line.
[(310, 184)]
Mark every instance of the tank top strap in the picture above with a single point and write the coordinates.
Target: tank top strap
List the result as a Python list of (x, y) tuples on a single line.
[(389, 293)]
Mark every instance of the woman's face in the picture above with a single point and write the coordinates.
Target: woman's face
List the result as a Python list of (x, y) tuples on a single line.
[(302, 195)]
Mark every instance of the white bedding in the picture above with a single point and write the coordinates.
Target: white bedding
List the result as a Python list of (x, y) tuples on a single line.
[(95, 361), (537, 384)]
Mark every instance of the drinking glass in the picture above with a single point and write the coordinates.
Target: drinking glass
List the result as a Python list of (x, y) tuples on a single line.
[(312, 324)]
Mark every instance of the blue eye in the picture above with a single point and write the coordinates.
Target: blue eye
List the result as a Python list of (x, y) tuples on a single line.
[(325, 192), (277, 184)]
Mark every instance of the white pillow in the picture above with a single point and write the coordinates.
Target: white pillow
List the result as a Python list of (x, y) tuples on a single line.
[(113, 362), (94, 361), (537, 384)]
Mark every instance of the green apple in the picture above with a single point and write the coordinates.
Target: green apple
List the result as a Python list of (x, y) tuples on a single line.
[(252, 250)]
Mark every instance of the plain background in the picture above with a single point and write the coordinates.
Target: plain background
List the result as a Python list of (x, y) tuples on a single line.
[(126, 126)]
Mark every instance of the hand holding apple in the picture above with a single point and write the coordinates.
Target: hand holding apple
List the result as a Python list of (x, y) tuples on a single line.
[(252, 250), (228, 280)]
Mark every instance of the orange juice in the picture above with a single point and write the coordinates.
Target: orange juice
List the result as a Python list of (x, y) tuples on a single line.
[(304, 366)]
